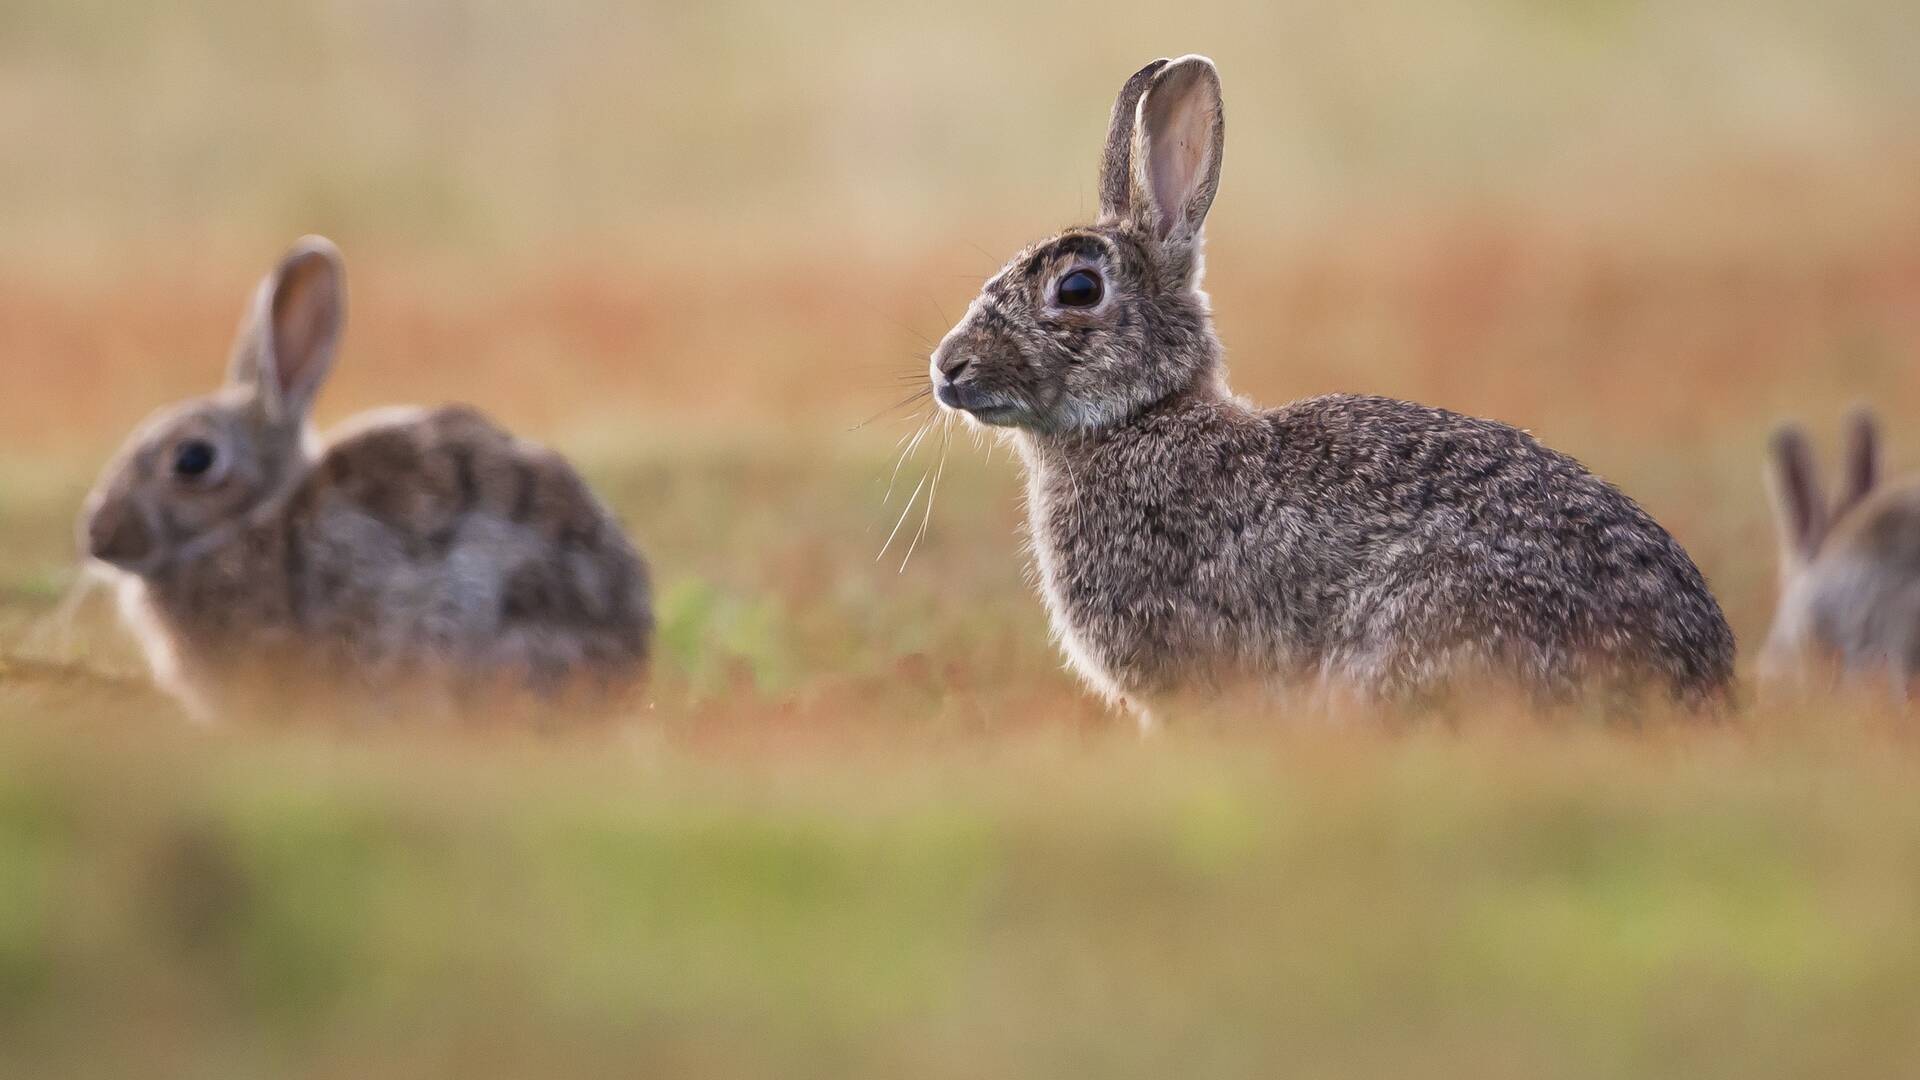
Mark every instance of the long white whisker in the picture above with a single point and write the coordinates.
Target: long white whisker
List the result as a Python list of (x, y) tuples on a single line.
[(903, 517), (926, 516), (925, 426)]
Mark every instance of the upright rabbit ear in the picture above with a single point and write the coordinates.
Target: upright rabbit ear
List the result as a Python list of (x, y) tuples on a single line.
[(1799, 504), (1116, 161), (287, 341), (1863, 461), (1178, 135)]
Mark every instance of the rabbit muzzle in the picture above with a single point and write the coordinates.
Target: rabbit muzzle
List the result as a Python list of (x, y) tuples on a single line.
[(957, 372), (117, 532)]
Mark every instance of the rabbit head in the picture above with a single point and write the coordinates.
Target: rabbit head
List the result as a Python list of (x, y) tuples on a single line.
[(1089, 327), (1804, 517), (1832, 581), (194, 470)]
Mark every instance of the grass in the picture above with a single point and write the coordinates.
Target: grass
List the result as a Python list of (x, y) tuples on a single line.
[(868, 826), (1515, 902)]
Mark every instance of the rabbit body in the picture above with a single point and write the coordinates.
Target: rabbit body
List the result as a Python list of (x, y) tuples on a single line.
[(422, 559), (1184, 539), (432, 551), (1358, 541)]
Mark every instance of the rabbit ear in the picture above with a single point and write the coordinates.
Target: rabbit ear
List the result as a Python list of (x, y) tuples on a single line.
[(1116, 161), (1863, 461), (1799, 504), (1178, 136), (286, 345)]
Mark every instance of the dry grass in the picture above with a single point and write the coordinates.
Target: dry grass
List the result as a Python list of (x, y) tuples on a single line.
[(869, 827)]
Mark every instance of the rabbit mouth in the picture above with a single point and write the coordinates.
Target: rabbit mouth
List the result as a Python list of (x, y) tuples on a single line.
[(999, 415), (979, 404)]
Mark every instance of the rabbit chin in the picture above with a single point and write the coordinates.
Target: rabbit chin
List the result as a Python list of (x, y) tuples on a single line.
[(996, 415), (1067, 417)]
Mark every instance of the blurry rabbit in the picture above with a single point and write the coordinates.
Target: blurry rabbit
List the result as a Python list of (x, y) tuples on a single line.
[(1849, 569), (1185, 539), (416, 558)]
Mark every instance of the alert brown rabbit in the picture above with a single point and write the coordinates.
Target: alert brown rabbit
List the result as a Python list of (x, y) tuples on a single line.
[(415, 559), (1849, 568), (1185, 538)]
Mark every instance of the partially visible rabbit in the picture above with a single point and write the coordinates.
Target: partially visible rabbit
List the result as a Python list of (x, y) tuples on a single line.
[(1849, 569), (416, 559), (1186, 540)]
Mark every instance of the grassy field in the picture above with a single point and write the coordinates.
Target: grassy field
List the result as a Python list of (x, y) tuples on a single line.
[(869, 828)]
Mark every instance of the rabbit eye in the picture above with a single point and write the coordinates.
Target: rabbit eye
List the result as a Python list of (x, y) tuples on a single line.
[(1080, 289), (193, 458)]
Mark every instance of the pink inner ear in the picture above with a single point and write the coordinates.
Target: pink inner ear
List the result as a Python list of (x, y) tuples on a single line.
[(1180, 154), (1177, 129), (306, 314)]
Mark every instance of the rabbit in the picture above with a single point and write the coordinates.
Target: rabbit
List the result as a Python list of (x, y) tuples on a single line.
[(1849, 569), (1355, 547), (415, 559)]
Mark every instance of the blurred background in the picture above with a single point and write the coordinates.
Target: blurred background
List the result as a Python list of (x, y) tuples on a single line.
[(703, 249)]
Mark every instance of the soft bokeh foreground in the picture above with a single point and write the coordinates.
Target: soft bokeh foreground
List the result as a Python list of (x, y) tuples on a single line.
[(868, 827), (1503, 902)]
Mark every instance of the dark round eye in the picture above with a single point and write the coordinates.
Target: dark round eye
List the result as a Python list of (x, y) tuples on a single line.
[(193, 458), (1080, 289)]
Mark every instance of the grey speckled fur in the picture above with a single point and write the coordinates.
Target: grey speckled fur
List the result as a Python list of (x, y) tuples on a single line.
[(1849, 568), (419, 561), (1184, 539)]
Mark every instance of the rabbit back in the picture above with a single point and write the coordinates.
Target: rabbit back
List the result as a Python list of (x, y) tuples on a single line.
[(435, 544), (1359, 541)]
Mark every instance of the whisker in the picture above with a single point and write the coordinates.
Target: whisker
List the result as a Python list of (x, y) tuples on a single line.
[(898, 324), (915, 371), (904, 511), (926, 516), (940, 310), (895, 407), (897, 442), (901, 461)]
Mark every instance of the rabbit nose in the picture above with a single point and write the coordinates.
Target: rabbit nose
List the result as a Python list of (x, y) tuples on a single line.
[(947, 388), (952, 367), (119, 535)]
